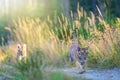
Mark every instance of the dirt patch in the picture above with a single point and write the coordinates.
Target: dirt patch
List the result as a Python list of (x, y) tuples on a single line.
[(105, 74)]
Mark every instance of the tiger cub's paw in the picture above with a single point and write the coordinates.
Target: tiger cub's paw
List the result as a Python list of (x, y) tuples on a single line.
[(81, 72)]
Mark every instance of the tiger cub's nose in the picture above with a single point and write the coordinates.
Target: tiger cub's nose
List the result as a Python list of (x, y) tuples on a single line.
[(82, 63)]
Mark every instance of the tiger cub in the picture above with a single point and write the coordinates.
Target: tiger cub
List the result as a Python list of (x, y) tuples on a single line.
[(81, 59), (79, 56), (21, 51)]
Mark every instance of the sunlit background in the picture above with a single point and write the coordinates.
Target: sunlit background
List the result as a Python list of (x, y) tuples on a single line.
[(31, 8)]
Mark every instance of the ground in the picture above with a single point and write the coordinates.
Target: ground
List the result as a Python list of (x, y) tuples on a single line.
[(90, 74), (104, 74)]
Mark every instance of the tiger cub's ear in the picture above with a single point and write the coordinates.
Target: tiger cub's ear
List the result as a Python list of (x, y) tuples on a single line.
[(18, 46), (87, 49), (78, 48)]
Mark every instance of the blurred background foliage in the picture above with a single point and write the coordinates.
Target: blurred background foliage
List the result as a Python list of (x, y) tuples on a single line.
[(41, 8)]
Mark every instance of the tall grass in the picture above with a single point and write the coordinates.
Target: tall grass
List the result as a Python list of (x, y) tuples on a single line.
[(40, 34), (55, 37), (106, 45)]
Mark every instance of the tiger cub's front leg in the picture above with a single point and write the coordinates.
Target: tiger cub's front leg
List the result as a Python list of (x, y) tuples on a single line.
[(80, 67)]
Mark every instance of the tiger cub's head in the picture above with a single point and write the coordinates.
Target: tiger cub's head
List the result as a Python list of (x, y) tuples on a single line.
[(83, 54)]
